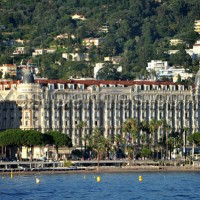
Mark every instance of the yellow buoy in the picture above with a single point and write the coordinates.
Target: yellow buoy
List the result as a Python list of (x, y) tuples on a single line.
[(37, 180), (11, 173), (98, 178), (140, 178)]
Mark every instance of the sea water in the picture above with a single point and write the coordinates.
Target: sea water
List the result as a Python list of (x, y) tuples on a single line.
[(154, 185)]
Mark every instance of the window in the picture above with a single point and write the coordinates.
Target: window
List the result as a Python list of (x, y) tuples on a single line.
[(109, 123), (96, 114), (172, 87), (87, 114), (155, 87), (76, 114), (61, 86), (51, 86), (103, 85), (181, 87), (142, 114), (81, 86), (6, 87), (71, 86), (13, 86), (147, 87), (26, 114), (138, 87), (164, 87), (119, 85)]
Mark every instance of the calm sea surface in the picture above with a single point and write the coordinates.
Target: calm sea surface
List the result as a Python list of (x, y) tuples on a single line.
[(116, 186)]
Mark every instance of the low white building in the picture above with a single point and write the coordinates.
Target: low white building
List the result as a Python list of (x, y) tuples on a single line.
[(197, 26), (88, 42), (42, 51), (79, 17), (194, 52), (76, 56), (157, 65), (19, 50), (196, 48), (8, 69), (173, 73), (175, 42), (64, 36), (99, 66), (113, 59)]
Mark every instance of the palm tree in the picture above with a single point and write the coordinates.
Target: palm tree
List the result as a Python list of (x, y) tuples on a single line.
[(153, 127), (175, 141), (194, 139), (130, 128), (98, 143), (118, 141), (144, 126), (170, 143), (166, 128), (108, 146), (80, 126), (85, 138)]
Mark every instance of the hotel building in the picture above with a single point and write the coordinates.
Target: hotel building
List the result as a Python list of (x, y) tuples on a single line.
[(58, 105)]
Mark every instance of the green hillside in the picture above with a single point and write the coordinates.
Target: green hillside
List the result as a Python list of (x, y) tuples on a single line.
[(138, 31)]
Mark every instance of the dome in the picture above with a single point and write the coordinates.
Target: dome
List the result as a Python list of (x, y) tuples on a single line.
[(28, 77)]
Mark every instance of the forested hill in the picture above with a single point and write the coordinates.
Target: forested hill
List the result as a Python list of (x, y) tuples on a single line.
[(138, 31)]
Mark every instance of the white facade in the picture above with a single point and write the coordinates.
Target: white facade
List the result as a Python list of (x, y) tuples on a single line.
[(42, 51), (64, 36), (19, 50), (157, 65), (97, 67), (196, 48), (8, 69), (113, 59), (79, 17), (88, 42), (61, 105), (197, 26), (174, 72), (175, 42), (76, 56)]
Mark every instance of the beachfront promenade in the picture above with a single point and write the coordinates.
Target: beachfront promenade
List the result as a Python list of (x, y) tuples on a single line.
[(88, 165), (91, 166), (60, 165)]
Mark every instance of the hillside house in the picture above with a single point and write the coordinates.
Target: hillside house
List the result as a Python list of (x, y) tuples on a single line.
[(88, 42), (8, 69), (76, 56), (78, 17)]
